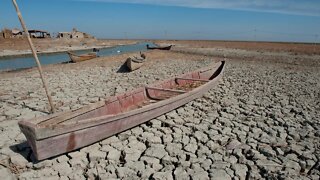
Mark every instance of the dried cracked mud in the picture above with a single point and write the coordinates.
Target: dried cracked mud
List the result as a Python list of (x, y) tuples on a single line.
[(261, 121)]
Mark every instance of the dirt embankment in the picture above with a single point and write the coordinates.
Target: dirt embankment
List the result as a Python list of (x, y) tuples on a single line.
[(288, 53), (292, 48), (20, 46)]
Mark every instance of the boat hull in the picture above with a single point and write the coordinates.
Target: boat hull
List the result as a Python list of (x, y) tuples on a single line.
[(160, 48), (52, 141), (133, 65), (84, 57)]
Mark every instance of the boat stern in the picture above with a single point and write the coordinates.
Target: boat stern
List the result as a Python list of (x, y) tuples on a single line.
[(28, 130)]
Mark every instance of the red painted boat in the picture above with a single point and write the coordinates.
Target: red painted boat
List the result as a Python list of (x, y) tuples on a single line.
[(59, 133)]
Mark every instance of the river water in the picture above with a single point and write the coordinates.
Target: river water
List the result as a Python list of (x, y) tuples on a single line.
[(20, 62)]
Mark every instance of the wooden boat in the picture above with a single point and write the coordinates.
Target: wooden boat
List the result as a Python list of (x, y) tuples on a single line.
[(83, 57), (134, 63), (159, 48), (63, 132)]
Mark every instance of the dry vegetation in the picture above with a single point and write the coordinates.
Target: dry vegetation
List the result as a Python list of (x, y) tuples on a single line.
[(294, 48)]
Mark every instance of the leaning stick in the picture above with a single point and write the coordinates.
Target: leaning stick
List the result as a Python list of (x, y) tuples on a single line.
[(34, 54)]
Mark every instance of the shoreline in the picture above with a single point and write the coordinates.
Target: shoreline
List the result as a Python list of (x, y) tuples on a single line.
[(20, 48), (26, 53), (29, 55)]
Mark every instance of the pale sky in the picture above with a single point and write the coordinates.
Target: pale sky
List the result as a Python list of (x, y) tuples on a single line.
[(254, 20)]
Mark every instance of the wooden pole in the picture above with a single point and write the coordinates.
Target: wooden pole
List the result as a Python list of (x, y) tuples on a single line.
[(34, 52)]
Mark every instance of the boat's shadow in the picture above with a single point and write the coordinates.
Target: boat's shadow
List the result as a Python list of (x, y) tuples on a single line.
[(123, 69), (67, 62), (24, 150)]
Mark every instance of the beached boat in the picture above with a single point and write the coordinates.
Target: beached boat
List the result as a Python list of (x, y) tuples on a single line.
[(159, 48), (63, 132), (83, 57), (134, 63)]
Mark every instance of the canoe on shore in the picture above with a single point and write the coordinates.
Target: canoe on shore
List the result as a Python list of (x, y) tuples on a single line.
[(159, 48), (83, 57), (63, 132), (134, 63)]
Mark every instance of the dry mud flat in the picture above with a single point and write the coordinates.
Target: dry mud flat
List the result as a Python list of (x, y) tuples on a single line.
[(292, 48), (261, 121)]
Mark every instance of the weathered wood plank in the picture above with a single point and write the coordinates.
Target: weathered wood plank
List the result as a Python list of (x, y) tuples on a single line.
[(192, 79), (65, 116), (168, 90)]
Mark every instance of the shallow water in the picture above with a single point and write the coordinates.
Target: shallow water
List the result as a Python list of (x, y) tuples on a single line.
[(14, 62)]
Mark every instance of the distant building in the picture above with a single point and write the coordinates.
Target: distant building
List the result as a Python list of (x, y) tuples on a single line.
[(16, 33), (74, 34), (66, 35), (6, 33), (39, 34)]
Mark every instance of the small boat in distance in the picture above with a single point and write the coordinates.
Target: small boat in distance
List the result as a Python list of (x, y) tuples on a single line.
[(63, 132), (134, 63), (83, 57), (159, 48)]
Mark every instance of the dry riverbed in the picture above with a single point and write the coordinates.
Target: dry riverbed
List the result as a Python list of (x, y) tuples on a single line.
[(261, 121)]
